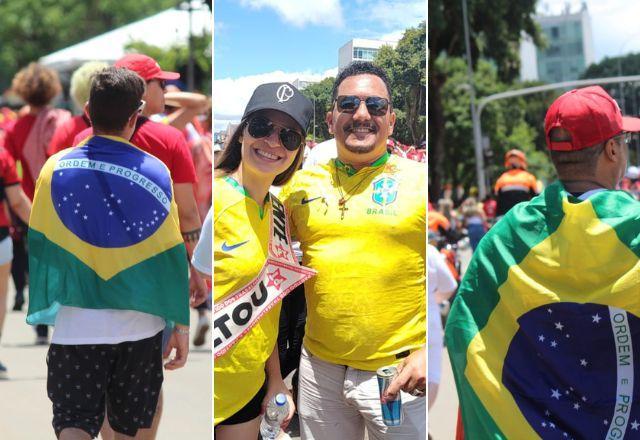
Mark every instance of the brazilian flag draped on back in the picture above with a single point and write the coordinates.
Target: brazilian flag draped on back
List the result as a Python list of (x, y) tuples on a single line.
[(104, 234), (544, 336)]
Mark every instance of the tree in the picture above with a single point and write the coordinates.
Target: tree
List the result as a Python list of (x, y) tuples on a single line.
[(505, 124), (495, 28), (320, 94), (30, 29), (176, 58), (406, 67), (619, 66)]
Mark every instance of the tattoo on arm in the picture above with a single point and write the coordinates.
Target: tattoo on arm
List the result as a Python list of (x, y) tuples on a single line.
[(191, 237)]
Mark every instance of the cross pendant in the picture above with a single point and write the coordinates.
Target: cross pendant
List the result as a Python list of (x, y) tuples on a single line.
[(342, 206)]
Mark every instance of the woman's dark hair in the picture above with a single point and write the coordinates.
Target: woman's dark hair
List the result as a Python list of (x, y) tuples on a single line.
[(230, 158)]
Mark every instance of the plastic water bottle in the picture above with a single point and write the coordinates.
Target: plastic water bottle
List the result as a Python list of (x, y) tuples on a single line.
[(276, 411)]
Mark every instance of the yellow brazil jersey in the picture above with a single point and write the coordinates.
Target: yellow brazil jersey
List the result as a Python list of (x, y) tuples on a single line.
[(241, 235), (367, 303)]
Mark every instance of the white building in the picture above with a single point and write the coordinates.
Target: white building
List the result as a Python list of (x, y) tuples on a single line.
[(360, 49)]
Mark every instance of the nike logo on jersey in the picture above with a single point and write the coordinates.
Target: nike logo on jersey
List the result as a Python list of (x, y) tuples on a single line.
[(305, 200), (228, 248)]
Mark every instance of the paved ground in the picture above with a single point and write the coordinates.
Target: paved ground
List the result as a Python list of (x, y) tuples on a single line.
[(25, 410)]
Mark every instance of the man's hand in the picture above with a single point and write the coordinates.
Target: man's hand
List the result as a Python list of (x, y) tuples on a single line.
[(179, 341), (412, 376), (274, 387), (198, 291)]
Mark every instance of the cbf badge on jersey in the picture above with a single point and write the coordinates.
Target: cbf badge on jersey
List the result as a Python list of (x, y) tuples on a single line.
[(385, 191)]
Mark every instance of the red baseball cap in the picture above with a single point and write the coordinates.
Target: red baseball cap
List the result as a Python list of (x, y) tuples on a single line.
[(145, 66), (590, 115)]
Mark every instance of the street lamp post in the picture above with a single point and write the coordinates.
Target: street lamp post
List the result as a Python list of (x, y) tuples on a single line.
[(189, 7), (190, 64), (475, 116)]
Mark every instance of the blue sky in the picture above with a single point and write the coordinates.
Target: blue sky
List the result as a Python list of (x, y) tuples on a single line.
[(257, 41)]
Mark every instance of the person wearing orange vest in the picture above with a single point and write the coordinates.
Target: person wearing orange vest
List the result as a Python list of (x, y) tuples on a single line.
[(516, 184)]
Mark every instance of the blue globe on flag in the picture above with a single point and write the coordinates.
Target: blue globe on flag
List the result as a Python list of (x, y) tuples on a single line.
[(570, 369), (111, 200)]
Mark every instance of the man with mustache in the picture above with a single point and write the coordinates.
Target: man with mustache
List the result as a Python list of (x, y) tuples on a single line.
[(361, 222)]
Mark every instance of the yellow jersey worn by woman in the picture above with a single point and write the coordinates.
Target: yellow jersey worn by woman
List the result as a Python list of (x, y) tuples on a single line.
[(240, 243)]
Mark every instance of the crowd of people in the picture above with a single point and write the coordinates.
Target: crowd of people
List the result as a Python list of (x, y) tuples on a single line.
[(112, 199)]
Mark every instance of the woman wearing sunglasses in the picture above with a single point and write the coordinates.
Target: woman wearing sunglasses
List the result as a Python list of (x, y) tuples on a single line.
[(253, 263)]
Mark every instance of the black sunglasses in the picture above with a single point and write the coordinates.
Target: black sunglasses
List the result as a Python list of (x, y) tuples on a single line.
[(376, 106), (260, 127)]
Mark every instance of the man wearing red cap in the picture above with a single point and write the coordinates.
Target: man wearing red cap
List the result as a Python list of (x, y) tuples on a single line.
[(169, 145), (546, 325)]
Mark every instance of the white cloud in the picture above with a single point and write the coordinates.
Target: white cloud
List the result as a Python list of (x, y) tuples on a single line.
[(397, 14), (301, 13), (232, 94)]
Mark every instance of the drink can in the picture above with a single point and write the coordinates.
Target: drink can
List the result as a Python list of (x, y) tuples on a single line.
[(392, 409)]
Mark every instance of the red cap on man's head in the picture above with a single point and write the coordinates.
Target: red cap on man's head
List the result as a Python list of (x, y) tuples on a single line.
[(145, 66), (590, 116)]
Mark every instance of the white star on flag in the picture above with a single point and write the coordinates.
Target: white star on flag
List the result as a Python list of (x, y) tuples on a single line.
[(555, 394), (596, 318), (541, 338), (635, 425), (554, 344), (576, 406), (559, 325), (583, 362)]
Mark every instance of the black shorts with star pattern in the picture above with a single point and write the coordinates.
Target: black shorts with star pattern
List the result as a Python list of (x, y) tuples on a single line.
[(125, 378)]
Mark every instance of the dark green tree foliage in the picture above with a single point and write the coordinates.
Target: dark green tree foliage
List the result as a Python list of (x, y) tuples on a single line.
[(619, 66), (176, 58), (406, 67), (495, 31), (30, 29), (505, 123), (320, 93)]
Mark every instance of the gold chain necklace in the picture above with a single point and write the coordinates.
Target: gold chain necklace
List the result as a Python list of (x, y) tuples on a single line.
[(342, 203)]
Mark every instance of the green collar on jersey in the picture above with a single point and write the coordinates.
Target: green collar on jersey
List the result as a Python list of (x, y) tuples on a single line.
[(351, 170), (233, 182)]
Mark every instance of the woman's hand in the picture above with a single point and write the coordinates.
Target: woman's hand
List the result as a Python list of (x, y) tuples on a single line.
[(274, 387)]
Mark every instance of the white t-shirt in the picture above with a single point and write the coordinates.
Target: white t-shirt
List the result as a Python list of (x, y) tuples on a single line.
[(79, 326), (439, 278), (202, 254), (321, 154)]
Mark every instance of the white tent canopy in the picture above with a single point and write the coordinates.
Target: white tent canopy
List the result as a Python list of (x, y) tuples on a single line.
[(164, 29)]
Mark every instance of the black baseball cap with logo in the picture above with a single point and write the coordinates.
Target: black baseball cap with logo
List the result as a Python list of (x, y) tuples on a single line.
[(283, 97)]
